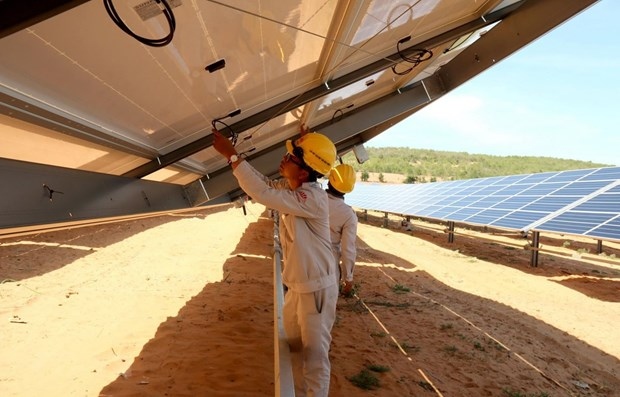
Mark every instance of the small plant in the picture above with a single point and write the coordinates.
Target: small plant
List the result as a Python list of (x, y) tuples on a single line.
[(478, 346), (410, 179), (378, 368), (378, 334), (566, 244), (400, 289), (445, 327), (365, 176), (583, 250), (407, 347), (365, 380), (451, 350), (425, 385)]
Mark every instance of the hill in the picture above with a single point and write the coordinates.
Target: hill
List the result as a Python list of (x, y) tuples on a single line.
[(424, 165)]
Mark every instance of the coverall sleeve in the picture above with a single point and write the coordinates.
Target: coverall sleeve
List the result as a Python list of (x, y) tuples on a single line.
[(276, 184), (348, 251), (294, 202)]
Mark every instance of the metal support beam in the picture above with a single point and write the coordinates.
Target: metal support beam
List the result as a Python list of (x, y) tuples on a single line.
[(36, 194), (529, 22), (20, 14), (405, 101), (450, 231), (535, 247), (283, 371), (341, 132)]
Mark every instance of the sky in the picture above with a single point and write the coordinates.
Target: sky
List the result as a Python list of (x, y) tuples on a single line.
[(557, 97)]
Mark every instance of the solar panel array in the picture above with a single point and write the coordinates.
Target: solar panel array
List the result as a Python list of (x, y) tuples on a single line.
[(579, 202)]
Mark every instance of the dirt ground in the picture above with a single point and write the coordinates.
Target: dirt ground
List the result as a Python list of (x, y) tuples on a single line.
[(182, 305)]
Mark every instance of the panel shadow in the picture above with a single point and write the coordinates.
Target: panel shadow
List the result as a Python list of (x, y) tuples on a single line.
[(37, 254), (221, 341), (425, 335), (598, 277)]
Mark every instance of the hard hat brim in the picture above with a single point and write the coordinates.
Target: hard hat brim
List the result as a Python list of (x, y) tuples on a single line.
[(289, 146)]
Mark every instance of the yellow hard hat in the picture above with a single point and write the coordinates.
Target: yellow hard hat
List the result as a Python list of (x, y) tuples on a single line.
[(342, 178), (316, 150)]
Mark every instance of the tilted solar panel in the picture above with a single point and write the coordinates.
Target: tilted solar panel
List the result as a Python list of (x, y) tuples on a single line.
[(583, 202), (596, 216)]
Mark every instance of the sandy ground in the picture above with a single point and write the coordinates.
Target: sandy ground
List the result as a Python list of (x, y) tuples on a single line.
[(181, 305)]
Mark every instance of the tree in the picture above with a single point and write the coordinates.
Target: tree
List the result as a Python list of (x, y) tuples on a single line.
[(433, 165), (381, 178)]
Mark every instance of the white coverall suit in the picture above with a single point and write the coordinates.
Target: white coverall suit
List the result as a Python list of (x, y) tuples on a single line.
[(343, 230), (310, 272)]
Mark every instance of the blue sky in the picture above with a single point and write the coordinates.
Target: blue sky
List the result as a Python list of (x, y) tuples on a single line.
[(557, 97)]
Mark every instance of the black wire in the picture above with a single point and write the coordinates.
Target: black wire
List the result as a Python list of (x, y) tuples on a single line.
[(419, 56), (335, 113), (233, 134), (109, 6), (401, 73)]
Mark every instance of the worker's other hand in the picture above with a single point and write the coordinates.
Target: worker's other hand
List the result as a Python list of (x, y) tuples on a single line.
[(346, 289), (222, 145), (303, 130)]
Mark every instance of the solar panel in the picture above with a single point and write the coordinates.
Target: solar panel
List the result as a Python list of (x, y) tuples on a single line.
[(596, 216), (582, 202)]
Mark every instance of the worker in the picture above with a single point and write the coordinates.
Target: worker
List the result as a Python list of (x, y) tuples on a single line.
[(309, 271), (343, 224)]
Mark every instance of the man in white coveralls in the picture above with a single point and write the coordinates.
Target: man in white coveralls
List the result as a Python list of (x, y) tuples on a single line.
[(309, 271)]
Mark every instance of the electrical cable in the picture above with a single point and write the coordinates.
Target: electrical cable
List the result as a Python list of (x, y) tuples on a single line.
[(334, 115), (420, 55), (341, 111), (233, 135), (167, 11)]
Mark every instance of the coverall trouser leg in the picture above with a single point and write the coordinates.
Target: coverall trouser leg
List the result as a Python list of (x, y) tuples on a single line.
[(308, 321)]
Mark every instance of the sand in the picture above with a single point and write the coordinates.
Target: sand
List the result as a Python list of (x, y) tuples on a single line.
[(182, 305)]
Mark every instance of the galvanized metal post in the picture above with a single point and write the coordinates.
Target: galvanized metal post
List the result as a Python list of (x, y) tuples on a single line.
[(535, 246)]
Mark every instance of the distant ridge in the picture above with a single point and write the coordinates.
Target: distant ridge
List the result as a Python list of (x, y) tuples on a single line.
[(424, 165)]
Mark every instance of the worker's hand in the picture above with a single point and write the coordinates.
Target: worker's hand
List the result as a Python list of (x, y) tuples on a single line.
[(303, 130), (222, 145)]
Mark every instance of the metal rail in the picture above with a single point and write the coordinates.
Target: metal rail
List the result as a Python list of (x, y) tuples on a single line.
[(283, 370)]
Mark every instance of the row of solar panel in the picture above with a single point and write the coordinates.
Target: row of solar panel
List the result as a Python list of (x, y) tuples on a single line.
[(579, 202)]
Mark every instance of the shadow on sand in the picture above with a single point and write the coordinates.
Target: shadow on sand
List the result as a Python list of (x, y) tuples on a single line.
[(598, 281), (35, 255), (217, 338), (463, 344)]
